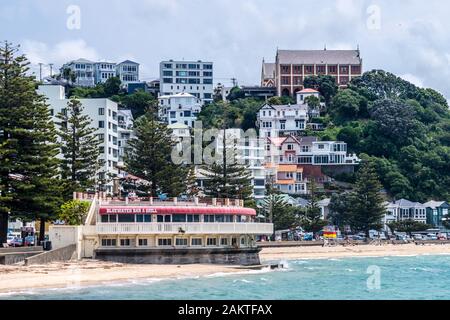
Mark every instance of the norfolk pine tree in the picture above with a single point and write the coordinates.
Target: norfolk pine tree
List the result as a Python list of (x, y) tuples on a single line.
[(28, 163), (366, 201), (79, 148), (148, 156)]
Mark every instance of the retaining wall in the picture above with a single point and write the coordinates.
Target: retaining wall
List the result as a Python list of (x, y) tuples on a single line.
[(231, 256), (61, 254)]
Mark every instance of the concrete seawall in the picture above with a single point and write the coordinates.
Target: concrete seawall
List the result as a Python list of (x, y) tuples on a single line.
[(230, 256), (61, 254), (16, 255)]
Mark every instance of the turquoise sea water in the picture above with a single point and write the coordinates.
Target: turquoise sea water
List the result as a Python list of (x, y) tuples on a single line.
[(415, 277)]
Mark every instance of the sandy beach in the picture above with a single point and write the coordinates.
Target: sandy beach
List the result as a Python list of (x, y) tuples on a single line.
[(19, 278)]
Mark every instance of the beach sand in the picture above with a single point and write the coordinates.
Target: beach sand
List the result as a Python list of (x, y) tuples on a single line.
[(318, 252), (19, 278)]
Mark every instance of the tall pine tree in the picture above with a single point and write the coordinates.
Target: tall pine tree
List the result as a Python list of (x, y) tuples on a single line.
[(28, 163), (366, 201), (79, 148), (148, 156)]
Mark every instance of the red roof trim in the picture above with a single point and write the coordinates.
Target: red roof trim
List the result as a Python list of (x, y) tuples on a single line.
[(177, 210)]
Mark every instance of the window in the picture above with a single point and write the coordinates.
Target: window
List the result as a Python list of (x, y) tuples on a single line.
[(179, 218), (285, 80), (290, 147), (207, 81), (109, 242), (332, 69), (126, 218), (211, 242), (196, 241), (165, 242), (143, 242), (167, 65), (320, 69), (181, 242), (305, 148), (285, 69), (209, 218), (223, 241), (167, 73), (207, 66), (167, 80), (309, 69), (101, 124), (193, 218), (356, 69), (143, 218), (125, 242), (207, 74), (297, 69)]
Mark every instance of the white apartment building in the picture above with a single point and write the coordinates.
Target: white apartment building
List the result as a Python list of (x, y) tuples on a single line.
[(193, 77), (104, 115), (125, 131), (128, 72), (281, 120), (249, 152), (179, 108)]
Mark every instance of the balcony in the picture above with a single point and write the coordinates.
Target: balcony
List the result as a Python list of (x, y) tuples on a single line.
[(188, 228)]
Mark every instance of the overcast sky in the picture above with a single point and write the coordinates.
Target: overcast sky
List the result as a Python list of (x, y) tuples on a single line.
[(406, 37)]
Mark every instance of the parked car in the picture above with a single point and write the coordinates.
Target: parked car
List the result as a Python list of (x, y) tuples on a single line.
[(418, 237), (16, 242), (29, 241), (431, 236), (9, 239)]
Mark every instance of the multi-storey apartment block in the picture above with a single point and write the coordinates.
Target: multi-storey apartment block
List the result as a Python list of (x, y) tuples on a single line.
[(104, 115), (293, 66), (179, 108), (293, 161), (125, 131), (193, 77)]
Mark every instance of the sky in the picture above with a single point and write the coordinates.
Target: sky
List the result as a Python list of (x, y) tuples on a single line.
[(406, 37)]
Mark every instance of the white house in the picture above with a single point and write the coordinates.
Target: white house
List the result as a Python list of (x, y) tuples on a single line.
[(281, 120), (84, 70), (179, 108), (104, 115), (104, 70), (128, 72)]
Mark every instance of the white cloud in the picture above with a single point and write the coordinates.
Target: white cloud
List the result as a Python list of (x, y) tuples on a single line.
[(40, 52), (413, 79)]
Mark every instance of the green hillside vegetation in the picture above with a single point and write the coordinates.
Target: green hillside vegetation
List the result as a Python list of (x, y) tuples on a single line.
[(402, 129)]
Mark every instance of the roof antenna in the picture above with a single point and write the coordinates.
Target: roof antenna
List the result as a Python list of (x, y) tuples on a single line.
[(325, 47)]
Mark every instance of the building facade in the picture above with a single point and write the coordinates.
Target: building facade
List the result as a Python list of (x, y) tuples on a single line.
[(173, 231), (128, 72), (104, 115), (90, 73), (403, 209), (437, 212), (282, 120), (179, 108), (125, 132), (292, 162), (193, 77), (291, 67)]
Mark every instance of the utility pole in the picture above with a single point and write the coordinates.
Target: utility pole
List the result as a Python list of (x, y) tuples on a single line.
[(51, 69), (40, 71), (234, 80)]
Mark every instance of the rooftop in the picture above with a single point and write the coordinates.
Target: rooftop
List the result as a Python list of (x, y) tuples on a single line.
[(319, 56)]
